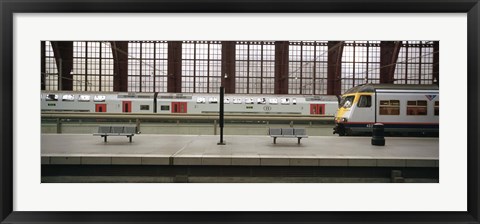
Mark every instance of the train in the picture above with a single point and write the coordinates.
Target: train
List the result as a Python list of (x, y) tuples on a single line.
[(183, 103), (402, 109)]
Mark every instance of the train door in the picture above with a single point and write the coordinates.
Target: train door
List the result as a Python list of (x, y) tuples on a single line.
[(179, 107), (317, 108), (126, 106), (100, 107)]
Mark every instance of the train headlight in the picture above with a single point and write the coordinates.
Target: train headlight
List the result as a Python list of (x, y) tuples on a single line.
[(344, 120)]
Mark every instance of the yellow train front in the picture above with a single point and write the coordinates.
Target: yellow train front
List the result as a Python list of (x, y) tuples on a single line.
[(402, 109)]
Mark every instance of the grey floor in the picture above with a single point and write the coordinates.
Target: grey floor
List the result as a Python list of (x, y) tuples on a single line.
[(150, 149)]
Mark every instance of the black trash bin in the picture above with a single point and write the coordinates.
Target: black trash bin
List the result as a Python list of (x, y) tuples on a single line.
[(378, 134)]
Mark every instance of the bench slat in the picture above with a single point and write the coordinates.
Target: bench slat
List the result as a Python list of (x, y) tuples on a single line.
[(117, 129), (287, 131), (300, 131), (104, 129), (275, 131), (130, 129)]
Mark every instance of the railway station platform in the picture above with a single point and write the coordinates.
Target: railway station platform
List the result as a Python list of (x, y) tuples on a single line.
[(196, 151)]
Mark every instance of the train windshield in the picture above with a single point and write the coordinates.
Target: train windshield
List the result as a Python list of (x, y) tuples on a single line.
[(347, 101)]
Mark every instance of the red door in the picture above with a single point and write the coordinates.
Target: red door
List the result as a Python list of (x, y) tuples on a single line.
[(179, 107), (101, 107), (126, 106), (317, 108)]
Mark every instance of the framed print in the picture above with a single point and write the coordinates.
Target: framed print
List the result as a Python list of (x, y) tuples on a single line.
[(187, 39)]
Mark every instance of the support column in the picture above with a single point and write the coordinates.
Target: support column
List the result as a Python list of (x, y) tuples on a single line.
[(120, 65), (43, 71), (389, 51), (281, 67), (63, 52), (228, 66), (436, 57), (334, 71), (174, 80)]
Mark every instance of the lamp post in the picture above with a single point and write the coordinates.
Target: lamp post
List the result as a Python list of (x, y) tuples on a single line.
[(221, 113)]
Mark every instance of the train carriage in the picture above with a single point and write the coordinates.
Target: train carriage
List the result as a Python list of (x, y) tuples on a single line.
[(182, 103), (400, 108)]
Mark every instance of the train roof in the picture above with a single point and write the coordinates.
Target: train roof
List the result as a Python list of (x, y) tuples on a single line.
[(373, 87)]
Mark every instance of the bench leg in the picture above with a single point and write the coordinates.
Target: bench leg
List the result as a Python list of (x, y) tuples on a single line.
[(104, 138), (274, 140), (130, 137), (299, 140)]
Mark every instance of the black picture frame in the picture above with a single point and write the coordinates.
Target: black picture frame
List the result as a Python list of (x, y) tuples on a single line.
[(10, 7)]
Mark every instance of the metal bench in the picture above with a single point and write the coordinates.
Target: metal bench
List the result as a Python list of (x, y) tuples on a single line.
[(287, 133), (105, 131)]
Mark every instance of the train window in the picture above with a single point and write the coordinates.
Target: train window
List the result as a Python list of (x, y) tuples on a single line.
[(144, 107), (273, 101), (261, 101), (248, 100), (226, 100), (212, 100), (294, 101), (84, 98), (389, 107), (365, 101), (237, 100), (164, 107), (201, 100), (68, 98), (51, 97), (437, 108), (347, 101), (98, 98), (285, 101), (417, 107)]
